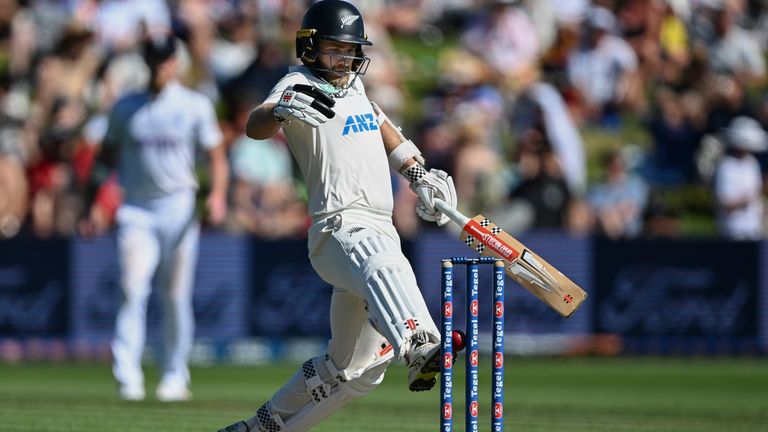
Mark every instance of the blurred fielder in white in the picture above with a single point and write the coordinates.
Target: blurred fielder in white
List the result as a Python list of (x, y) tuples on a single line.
[(152, 138), (738, 181), (345, 146)]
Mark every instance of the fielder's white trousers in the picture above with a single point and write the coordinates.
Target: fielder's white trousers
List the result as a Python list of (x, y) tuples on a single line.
[(157, 244)]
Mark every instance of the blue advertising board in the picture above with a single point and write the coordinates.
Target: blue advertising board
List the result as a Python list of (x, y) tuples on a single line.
[(287, 297), (648, 296), (220, 295), (664, 296), (34, 287)]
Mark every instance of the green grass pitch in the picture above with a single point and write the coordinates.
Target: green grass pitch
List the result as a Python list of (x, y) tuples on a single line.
[(549, 394)]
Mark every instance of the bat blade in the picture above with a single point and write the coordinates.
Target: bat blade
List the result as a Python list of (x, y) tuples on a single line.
[(524, 266)]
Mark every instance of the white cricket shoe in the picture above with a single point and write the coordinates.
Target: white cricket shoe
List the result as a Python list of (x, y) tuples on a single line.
[(423, 364), (131, 392), (173, 391)]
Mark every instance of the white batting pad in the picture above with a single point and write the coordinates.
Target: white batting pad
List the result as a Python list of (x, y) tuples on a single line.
[(395, 305)]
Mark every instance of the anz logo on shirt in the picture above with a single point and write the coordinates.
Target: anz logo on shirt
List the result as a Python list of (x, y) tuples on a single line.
[(359, 123)]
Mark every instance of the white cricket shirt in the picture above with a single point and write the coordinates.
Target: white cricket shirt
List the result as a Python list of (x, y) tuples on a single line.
[(158, 138), (737, 179), (343, 161)]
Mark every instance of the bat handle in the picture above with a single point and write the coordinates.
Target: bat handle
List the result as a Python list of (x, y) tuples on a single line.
[(456, 216)]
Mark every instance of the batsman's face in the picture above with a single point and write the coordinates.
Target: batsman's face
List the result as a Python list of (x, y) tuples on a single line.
[(337, 58)]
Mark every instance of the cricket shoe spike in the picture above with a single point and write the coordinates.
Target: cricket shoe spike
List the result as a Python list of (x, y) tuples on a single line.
[(423, 363)]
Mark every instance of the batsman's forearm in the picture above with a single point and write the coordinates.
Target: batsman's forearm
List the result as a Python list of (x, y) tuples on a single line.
[(391, 136), (393, 139), (261, 122)]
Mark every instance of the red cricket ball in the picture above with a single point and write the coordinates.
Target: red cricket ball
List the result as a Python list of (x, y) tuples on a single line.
[(459, 340)]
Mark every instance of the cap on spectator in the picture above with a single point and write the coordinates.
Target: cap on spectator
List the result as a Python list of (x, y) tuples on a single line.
[(601, 18), (745, 133), (158, 48)]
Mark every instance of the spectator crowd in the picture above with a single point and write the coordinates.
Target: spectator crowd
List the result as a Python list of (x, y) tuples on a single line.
[(504, 95)]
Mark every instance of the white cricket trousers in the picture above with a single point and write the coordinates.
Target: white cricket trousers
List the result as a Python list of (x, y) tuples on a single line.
[(157, 243)]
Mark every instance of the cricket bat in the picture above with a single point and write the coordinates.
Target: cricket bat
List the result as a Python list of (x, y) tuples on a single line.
[(520, 263)]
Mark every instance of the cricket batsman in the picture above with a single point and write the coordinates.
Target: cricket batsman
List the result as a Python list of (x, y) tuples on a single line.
[(345, 146)]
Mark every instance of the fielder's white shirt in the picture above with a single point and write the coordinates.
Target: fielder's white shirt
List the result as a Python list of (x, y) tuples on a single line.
[(158, 136), (343, 161), (736, 179)]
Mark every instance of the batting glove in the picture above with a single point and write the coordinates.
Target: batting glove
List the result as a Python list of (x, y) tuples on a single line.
[(431, 185), (304, 103)]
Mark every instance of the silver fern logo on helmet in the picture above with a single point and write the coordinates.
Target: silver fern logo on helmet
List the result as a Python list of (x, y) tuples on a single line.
[(348, 19)]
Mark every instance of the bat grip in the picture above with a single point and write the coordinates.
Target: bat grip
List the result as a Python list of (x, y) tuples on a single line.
[(456, 216)]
